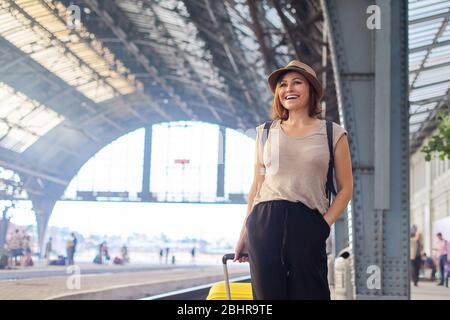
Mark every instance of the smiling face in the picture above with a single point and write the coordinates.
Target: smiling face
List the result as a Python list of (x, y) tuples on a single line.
[(293, 90)]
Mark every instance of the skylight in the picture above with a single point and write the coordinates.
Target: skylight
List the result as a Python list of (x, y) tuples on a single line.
[(22, 120), (39, 29)]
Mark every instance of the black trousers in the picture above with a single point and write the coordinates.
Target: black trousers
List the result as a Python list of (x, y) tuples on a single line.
[(415, 269), (287, 251)]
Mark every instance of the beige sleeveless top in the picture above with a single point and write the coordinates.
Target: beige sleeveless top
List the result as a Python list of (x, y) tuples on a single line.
[(295, 169)]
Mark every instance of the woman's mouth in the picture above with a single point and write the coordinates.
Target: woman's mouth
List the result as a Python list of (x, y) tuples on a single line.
[(291, 97)]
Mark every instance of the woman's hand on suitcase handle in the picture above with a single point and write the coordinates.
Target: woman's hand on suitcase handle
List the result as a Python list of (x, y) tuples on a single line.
[(239, 250), (241, 257)]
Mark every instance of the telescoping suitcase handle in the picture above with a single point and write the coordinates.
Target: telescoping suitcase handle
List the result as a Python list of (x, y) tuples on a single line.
[(225, 258)]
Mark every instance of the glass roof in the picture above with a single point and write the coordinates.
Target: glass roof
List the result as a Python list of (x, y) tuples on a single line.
[(240, 18), (39, 29), (22, 120), (167, 28), (429, 58)]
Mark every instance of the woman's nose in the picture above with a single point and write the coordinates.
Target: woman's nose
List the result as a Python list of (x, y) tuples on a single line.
[(289, 86)]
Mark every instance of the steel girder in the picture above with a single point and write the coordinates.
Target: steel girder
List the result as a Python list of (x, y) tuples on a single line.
[(371, 76)]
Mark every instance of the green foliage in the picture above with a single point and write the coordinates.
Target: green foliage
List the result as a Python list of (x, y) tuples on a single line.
[(440, 142)]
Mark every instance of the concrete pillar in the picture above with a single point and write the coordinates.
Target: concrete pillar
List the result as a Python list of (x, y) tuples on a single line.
[(43, 208), (221, 163), (147, 165), (4, 223)]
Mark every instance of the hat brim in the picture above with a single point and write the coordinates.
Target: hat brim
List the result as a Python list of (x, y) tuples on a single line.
[(274, 76)]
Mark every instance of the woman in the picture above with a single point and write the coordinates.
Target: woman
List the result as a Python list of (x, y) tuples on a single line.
[(288, 219)]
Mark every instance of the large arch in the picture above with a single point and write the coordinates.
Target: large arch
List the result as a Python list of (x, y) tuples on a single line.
[(67, 169)]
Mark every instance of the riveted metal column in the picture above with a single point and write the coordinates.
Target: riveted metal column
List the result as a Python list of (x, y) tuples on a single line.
[(396, 219), (379, 212), (341, 233)]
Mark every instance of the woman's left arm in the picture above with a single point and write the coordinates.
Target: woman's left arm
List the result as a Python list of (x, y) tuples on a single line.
[(344, 180)]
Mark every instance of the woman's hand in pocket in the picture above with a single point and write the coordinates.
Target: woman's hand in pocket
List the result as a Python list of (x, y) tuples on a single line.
[(328, 220)]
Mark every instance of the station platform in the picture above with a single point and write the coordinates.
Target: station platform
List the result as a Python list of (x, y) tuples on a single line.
[(135, 281), (105, 282), (428, 290)]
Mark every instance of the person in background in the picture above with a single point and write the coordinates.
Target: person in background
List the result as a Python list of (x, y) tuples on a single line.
[(167, 255), (15, 247), (99, 257), (48, 250), (27, 261), (105, 252), (74, 248), (161, 255), (414, 247), (124, 252), (69, 251), (193, 255), (429, 263), (442, 249)]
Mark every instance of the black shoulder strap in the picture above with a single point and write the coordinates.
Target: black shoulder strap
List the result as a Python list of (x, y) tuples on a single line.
[(330, 189), (267, 126)]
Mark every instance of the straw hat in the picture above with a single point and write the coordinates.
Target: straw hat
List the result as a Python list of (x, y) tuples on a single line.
[(298, 66)]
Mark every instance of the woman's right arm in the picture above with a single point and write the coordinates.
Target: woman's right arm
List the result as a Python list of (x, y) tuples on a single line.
[(258, 179)]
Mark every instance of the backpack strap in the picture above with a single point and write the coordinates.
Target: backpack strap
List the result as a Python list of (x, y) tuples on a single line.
[(267, 126), (264, 137), (329, 187)]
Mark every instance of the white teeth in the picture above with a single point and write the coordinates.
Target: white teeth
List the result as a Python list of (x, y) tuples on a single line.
[(291, 97)]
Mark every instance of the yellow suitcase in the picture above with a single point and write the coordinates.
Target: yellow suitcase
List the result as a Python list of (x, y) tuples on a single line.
[(230, 291)]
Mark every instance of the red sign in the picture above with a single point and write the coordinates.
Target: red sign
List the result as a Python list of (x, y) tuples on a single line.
[(182, 161)]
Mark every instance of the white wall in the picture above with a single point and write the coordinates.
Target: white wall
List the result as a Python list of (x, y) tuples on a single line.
[(429, 196)]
